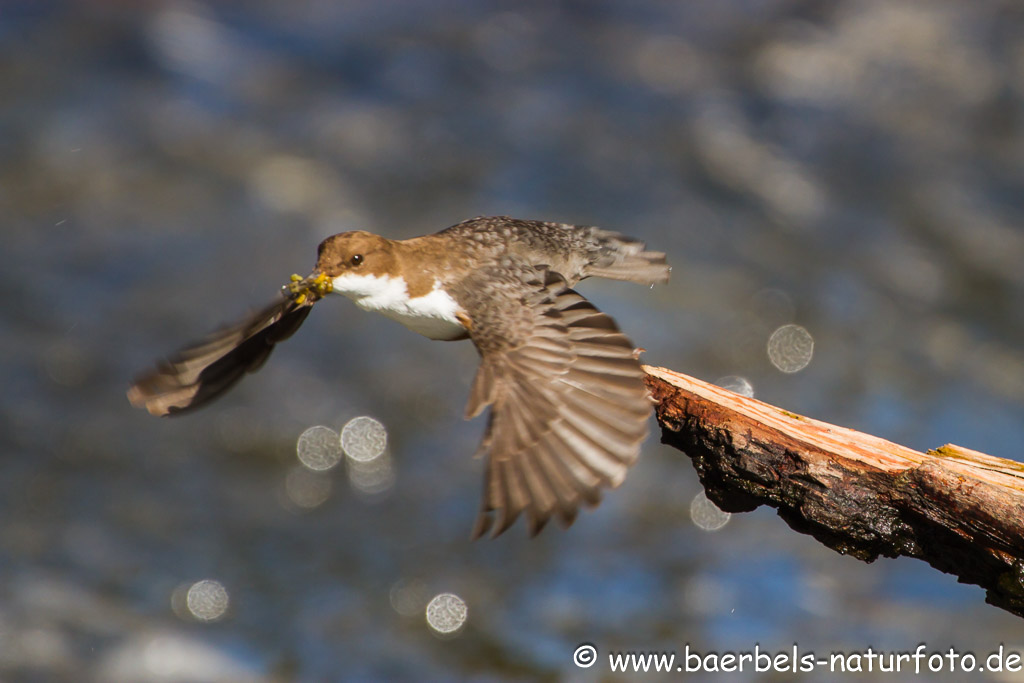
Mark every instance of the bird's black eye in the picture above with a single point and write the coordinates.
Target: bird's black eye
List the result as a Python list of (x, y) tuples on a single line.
[(356, 259)]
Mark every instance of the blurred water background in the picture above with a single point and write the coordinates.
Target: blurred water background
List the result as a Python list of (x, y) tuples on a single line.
[(854, 168)]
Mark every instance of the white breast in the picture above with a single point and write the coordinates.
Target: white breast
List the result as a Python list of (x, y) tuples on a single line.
[(432, 315)]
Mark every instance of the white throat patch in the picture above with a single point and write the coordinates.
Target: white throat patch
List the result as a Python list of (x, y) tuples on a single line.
[(432, 315)]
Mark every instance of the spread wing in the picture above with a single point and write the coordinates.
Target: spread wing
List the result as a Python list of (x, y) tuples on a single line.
[(569, 406), (200, 373)]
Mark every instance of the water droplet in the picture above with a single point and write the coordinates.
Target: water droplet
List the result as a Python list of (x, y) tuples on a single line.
[(706, 514), (207, 600), (446, 613), (319, 448), (790, 348), (364, 438), (740, 385)]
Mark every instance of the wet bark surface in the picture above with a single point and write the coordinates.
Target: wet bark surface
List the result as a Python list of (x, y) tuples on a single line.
[(959, 510)]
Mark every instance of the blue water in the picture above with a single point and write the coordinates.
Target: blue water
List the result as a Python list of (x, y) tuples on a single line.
[(164, 168)]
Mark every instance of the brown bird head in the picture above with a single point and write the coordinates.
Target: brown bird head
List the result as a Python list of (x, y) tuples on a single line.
[(358, 253)]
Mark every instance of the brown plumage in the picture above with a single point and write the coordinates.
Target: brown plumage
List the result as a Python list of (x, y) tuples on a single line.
[(202, 372), (569, 409)]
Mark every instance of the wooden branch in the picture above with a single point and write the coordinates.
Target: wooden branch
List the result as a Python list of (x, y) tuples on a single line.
[(959, 510)]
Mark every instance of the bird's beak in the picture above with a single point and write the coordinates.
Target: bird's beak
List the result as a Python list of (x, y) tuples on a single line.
[(309, 289)]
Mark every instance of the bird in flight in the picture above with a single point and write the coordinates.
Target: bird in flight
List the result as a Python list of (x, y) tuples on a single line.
[(568, 405)]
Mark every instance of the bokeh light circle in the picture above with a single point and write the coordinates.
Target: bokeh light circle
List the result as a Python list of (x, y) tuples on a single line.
[(790, 348), (706, 514), (207, 600), (446, 613), (364, 439), (319, 448)]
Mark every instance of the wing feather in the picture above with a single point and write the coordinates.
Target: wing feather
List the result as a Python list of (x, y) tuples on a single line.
[(198, 374), (569, 409)]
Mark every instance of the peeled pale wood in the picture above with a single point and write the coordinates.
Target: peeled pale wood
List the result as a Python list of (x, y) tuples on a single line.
[(959, 510)]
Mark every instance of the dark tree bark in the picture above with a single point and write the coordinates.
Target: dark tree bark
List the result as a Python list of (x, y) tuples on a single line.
[(959, 510)]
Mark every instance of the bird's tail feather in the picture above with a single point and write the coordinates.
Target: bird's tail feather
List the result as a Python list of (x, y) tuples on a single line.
[(624, 258)]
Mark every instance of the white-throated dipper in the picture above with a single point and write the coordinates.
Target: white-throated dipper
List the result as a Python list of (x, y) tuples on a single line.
[(569, 408)]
